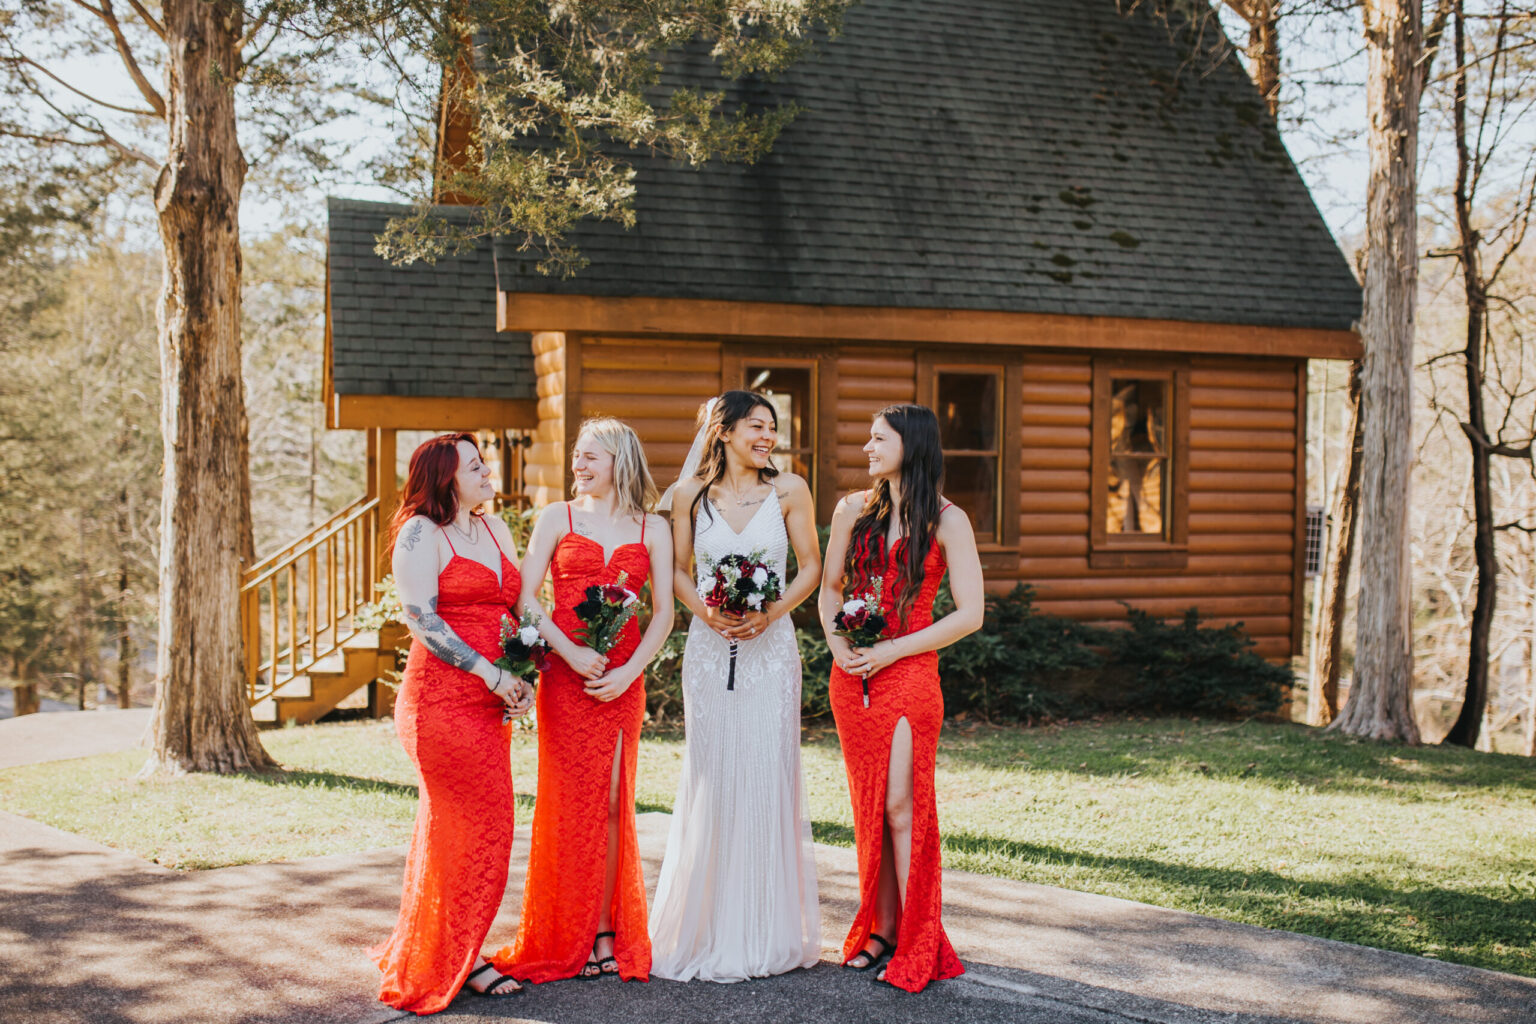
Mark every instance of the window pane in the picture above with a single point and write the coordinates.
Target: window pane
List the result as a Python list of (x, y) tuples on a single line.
[(1138, 416), (967, 410), (1136, 494), (789, 389), (970, 481)]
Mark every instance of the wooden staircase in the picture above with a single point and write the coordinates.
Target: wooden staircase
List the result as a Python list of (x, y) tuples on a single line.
[(307, 649)]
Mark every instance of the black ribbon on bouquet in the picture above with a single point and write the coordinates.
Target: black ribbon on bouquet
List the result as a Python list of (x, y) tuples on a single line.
[(730, 681), (864, 681)]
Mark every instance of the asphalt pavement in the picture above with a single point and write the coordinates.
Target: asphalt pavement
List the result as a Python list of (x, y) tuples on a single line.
[(92, 934)]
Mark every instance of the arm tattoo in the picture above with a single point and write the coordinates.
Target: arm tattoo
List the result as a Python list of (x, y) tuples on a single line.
[(440, 639), (412, 535)]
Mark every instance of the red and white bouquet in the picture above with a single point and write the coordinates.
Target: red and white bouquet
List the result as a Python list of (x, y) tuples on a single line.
[(862, 622), (604, 611), (738, 584), (524, 651)]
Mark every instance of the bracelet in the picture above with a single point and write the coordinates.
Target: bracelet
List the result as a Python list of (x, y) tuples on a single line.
[(500, 675)]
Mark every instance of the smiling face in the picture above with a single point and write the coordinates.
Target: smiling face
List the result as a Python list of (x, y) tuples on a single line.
[(884, 450), (472, 483), (750, 440), (591, 467)]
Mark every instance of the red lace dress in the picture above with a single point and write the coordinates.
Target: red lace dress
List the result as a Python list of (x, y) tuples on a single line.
[(451, 727), (909, 689), (563, 893)]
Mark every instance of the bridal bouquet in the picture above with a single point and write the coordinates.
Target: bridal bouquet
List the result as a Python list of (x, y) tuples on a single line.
[(524, 652), (739, 584), (604, 612), (862, 623)]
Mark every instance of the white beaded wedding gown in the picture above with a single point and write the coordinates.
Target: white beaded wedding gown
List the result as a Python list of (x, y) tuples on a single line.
[(737, 893)]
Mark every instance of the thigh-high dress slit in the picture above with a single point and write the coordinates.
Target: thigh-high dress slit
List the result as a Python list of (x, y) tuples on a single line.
[(578, 735), (908, 689)]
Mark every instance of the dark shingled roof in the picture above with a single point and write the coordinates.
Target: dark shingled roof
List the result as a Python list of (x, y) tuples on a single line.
[(419, 330), (1050, 156)]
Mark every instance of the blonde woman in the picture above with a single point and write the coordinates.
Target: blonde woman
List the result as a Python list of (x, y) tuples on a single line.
[(584, 913)]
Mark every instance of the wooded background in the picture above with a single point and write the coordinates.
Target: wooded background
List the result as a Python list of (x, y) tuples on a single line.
[(81, 353)]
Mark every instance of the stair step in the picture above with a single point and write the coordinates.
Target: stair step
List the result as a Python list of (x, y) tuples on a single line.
[(365, 639), (264, 710)]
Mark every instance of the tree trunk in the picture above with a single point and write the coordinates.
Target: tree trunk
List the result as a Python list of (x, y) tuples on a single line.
[(1381, 698), (1469, 721), (1328, 635), (202, 722)]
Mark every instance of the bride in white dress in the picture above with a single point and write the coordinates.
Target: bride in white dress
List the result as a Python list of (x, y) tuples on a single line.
[(737, 893)]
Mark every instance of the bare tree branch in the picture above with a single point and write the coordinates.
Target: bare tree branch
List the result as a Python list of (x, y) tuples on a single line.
[(125, 50), (148, 19), (78, 92)]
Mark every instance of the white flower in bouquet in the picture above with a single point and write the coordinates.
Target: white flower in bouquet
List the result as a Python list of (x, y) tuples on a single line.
[(755, 600), (529, 635), (853, 607)]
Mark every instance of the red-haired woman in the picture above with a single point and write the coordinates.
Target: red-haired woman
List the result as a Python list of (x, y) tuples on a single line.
[(903, 535), (455, 571)]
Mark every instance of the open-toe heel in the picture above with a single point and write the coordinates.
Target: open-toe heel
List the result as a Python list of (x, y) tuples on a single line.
[(597, 968), (874, 959), (503, 985), (602, 964)]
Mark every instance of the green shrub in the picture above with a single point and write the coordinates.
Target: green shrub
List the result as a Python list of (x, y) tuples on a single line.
[(1021, 665), (1187, 667)]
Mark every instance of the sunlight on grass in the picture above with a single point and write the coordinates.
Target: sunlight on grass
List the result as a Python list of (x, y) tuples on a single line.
[(1429, 851)]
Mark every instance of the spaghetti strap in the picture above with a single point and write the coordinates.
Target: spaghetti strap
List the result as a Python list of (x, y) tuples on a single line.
[(947, 505), (450, 542), (492, 532), (569, 522), (643, 518)]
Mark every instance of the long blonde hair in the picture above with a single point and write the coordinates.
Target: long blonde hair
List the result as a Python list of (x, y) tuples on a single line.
[(634, 490)]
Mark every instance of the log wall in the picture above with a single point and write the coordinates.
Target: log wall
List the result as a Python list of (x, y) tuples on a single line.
[(1243, 444)]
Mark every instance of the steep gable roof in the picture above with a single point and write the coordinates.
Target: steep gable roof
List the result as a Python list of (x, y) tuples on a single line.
[(423, 330), (1005, 155)]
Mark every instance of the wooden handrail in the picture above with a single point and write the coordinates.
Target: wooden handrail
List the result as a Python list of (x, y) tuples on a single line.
[(265, 563), (300, 605)]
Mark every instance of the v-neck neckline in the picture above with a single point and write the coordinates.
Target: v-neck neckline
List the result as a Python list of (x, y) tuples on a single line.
[(772, 493)]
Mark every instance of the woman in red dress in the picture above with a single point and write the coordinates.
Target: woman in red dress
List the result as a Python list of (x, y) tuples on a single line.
[(456, 579), (584, 912), (904, 534)]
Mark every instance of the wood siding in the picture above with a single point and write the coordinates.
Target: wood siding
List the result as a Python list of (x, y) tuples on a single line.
[(1242, 464), (656, 386), (1242, 501), (868, 379), (544, 465)]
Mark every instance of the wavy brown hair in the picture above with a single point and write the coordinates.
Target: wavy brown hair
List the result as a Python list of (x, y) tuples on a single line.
[(922, 475)]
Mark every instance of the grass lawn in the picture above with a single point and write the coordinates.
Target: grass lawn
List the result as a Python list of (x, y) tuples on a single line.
[(1425, 851)]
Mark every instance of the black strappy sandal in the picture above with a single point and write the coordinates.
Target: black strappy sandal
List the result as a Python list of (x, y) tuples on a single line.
[(498, 988), (602, 965), (886, 949), (594, 969)]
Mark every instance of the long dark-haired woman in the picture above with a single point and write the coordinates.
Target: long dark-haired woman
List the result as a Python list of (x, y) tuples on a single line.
[(456, 576), (736, 897), (903, 534)]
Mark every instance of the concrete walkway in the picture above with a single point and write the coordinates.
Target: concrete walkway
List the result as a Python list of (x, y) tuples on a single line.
[(91, 934)]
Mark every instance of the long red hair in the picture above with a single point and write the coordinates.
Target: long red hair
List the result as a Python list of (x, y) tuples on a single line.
[(429, 489)]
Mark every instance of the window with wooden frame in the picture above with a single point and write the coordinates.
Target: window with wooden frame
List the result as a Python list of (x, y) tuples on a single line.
[(793, 382), (1139, 503), (977, 402)]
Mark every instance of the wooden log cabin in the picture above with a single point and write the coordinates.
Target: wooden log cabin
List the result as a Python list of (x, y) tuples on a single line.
[(1074, 232)]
